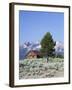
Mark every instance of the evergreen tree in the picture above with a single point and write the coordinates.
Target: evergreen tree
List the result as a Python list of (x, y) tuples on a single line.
[(47, 45)]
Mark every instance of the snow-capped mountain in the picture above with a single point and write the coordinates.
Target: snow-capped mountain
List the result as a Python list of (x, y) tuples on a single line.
[(59, 47), (32, 46), (27, 46), (36, 46)]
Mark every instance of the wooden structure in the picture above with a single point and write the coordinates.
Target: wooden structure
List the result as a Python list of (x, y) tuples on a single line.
[(33, 54)]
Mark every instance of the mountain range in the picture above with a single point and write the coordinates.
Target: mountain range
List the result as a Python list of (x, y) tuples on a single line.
[(27, 46)]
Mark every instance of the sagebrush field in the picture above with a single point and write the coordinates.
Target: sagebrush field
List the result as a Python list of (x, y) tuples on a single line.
[(40, 68)]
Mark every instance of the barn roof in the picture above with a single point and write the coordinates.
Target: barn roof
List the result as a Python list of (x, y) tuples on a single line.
[(35, 51)]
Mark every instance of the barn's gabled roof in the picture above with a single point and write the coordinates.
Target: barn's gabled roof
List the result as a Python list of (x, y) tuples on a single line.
[(35, 51)]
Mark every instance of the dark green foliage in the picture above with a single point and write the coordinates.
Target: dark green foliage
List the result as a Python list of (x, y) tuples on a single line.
[(47, 45), (60, 56)]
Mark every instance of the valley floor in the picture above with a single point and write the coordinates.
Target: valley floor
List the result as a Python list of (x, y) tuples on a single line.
[(39, 68)]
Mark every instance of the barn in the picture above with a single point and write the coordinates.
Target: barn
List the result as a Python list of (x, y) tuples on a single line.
[(32, 54)]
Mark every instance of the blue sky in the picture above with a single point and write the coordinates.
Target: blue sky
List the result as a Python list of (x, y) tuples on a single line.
[(34, 24)]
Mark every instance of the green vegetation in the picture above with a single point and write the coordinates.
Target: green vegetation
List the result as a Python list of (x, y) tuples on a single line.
[(55, 59), (59, 56), (47, 44), (39, 68)]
